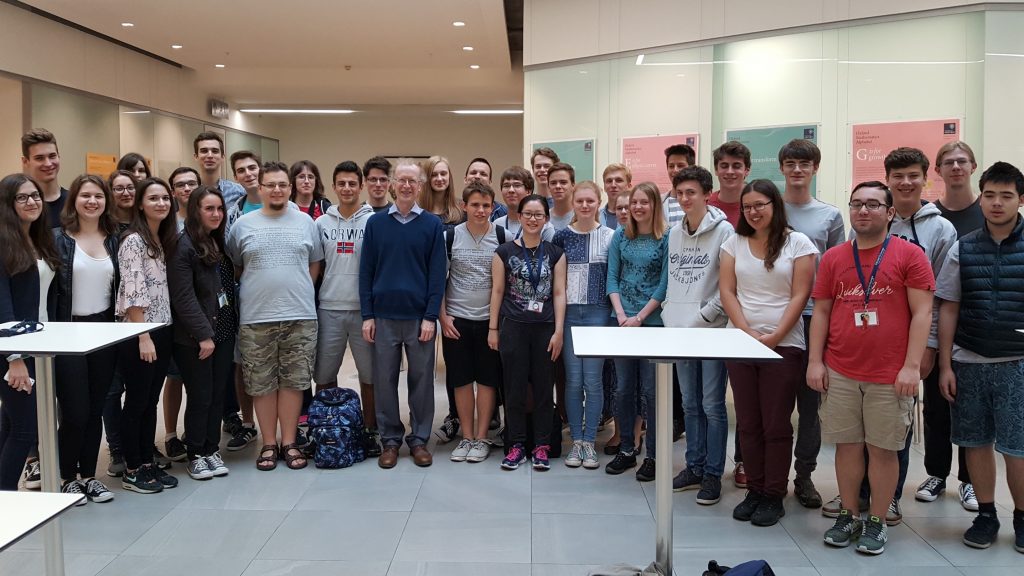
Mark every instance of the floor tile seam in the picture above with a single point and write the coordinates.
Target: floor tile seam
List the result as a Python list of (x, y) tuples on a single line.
[(926, 541)]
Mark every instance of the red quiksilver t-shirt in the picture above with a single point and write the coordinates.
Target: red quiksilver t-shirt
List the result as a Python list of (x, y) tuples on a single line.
[(731, 209), (874, 352)]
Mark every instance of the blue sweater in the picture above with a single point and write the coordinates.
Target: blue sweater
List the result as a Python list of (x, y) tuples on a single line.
[(402, 268)]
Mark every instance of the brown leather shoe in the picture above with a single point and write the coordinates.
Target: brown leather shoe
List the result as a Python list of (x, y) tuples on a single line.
[(389, 457), (421, 456)]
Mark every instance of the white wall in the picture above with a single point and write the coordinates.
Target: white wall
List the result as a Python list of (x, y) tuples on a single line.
[(10, 125)]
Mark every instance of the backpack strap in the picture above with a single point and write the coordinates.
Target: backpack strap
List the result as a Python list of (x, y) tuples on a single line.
[(449, 241), (499, 230)]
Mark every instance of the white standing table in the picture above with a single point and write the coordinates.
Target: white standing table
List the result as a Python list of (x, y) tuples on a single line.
[(24, 512), (60, 339), (664, 346)]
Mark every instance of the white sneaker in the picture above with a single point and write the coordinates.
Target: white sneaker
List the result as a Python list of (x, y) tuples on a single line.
[(967, 498), (216, 464), (74, 487), (590, 461), (575, 456), (462, 450), (479, 452), (198, 469), (31, 475), (96, 491)]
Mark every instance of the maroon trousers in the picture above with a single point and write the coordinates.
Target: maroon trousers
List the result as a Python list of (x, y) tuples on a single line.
[(765, 396)]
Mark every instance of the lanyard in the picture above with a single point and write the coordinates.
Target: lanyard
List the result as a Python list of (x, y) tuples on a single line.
[(869, 284), (534, 278)]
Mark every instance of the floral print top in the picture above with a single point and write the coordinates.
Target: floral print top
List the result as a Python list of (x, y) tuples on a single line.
[(143, 282)]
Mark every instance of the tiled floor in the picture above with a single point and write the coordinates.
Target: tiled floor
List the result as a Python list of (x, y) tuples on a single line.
[(473, 519)]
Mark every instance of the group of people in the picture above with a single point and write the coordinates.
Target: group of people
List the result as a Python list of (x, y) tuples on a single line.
[(262, 284)]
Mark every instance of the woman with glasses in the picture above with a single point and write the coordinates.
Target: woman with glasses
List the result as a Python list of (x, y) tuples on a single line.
[(308, 189), (87, 246), (27, 267), (142, 296), (767, 270), (528, 297), (637, 280), (122, 187)]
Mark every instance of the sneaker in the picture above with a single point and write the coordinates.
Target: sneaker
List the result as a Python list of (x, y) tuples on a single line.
[(242, 438), (967, 498), (199, 469), (371, 438), (983, 532), (479, 452), (1018, 532), (540, 458), (300, 437), (232, 423), (516, 456), (448, 430), (686, 480), (710, 490), (930, 489), (806, 493), (74, 487), (116, 466), (574, 459), (96, 491), (176, 450), (832, 508), (768, 512), (160, 460), (216, 464), (462, 450), (140, 481), (739, 476), (33, 479), (894, 515), (590, 461), (646, 471), (845, 530), (623, 461), (165, 479), (873, 537), (744, 510)]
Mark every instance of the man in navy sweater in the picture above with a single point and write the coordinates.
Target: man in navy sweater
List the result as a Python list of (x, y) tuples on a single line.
[(401, 282)]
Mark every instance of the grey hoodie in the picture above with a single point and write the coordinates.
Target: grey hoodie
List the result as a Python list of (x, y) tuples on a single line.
[(692, 299), (342, 240)]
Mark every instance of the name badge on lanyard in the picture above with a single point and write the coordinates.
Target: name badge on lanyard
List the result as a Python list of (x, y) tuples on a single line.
[(532, 305), (867, 316)]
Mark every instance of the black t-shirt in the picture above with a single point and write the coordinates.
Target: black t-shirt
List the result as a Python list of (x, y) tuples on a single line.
[(383, 208), (55, 208), (519, 289), (965, 221)]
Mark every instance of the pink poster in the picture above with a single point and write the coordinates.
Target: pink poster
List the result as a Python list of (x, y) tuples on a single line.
[(645, 157), (872, 142)]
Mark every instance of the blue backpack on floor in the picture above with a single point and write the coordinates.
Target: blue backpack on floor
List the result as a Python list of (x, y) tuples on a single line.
[(336, 428)]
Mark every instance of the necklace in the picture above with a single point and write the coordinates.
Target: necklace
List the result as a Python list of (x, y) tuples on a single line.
[(476, 240)]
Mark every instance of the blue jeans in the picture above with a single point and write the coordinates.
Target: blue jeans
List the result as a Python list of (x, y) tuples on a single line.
[(635, 377), (702, 383), (583, 375)]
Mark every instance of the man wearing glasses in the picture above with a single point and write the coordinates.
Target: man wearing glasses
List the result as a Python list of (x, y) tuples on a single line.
[(401, 282), (799, 160), (377, 173), (209, 153), (516, 184)]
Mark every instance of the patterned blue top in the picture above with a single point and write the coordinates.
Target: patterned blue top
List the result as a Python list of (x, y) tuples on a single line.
[(586, 255), (637, 272)]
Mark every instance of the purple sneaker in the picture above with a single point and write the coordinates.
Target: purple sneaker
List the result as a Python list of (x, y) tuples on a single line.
[(516, 456), (540, 458)]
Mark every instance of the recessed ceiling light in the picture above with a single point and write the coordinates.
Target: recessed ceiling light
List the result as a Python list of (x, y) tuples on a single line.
[(474, 111), (296, 111), (458, 24), (218, 65), (127, 24), (176, 46), (467, 48), (474, 66), (680, 75)]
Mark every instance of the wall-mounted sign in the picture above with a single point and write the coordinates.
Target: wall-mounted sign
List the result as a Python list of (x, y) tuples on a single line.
[(873, 142), (219, 108), (645, 156)]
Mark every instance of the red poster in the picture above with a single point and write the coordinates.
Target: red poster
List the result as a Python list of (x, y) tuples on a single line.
[(872, 142), (645, 156)]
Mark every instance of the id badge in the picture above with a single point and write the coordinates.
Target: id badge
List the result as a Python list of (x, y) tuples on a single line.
[(865, 318), (222, 299), (535, 306)]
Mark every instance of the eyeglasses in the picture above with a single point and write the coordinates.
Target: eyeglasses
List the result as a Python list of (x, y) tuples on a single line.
[(24, 198), (756, 207), (512, 186), (124, 189), (532, 215), (407, 182), (803, 165), (956, 162), (378, 180), (276, 186), (182, 185), (871, 205)]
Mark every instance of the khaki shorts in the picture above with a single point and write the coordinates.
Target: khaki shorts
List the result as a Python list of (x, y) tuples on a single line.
[(277, 355), (853, 411)]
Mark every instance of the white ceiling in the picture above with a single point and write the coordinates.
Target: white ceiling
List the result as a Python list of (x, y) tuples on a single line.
[(319, 53)]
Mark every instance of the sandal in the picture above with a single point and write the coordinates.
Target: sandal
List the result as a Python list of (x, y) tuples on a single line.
[(268, 463), (293, 461)]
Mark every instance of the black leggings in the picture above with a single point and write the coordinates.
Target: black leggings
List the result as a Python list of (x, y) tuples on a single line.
[(142, 384), (526, 362), (206, 382)]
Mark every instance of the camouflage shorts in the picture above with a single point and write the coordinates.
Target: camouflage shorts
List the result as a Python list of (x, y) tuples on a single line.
[(277, 355)]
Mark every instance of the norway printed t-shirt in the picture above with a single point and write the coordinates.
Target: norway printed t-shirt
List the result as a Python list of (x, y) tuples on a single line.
[(870, 349)]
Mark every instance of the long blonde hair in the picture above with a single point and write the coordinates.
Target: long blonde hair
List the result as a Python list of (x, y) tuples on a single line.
[(450, 212), (650, 189)]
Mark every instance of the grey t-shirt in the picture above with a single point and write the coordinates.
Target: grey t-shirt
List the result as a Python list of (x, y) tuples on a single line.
[(561, 222), (274, 253), (468, 295), (822, 223)]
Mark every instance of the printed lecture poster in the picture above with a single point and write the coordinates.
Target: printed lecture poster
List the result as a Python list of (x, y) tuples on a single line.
[(764, 144), (645, 156), (577, 153), (872, 142)]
